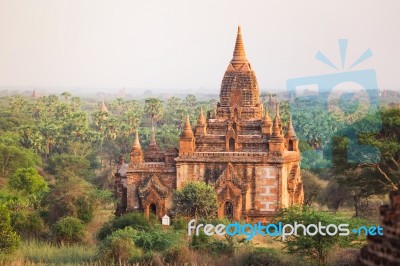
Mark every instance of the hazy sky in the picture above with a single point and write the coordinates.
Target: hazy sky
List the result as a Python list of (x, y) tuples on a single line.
[(179, 45)]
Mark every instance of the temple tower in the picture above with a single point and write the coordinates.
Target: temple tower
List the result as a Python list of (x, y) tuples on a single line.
[(239, 95)]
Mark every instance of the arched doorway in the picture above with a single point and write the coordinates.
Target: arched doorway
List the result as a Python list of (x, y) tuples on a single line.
[(153, 208), (290, 148), (228, 210), (231, 144)]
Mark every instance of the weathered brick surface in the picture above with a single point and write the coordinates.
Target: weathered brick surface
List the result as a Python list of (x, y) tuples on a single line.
[(385, 250)]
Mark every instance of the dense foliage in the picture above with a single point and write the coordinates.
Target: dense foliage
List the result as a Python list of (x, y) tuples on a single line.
[(58, 155), (195, 200), (9, 240), (317, 245), (68, 230)]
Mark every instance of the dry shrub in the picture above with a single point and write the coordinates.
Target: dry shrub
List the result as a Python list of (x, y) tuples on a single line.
[(343, 257)]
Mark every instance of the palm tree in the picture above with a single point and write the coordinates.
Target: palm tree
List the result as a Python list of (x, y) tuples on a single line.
[(66, 95), (154, 108)]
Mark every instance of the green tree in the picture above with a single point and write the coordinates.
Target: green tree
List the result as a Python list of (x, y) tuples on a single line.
[(75, 197), (387, 140), (315, 247), (134, 219), (195, 200), (66, 95), (68, 230), (9, 240), (335, 195), (28, 182), (28, 224), (65, 166), (12, 158), (154, 109), (313, 187), (119, 247)]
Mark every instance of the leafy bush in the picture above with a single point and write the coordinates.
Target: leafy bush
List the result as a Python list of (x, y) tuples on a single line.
[(201, 241), (126, 244), (215, 246), (264, 256), (85, 206), (119, 246), (195, 200), (14, 202), (157, 240), (179, 223), (68, 230), (28, 182), (13, 157), (318, 246), (135, 219), (66, 166), (9, 240), (312, 187), (28, 224), (75, 197)]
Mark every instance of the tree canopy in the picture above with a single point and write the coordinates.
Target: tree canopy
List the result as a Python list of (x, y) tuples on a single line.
[(195, 200)]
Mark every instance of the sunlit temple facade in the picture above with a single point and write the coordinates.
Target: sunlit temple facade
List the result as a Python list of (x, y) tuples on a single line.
[(252, 160)]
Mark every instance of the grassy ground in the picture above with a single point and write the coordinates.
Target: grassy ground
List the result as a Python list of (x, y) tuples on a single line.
[(42, 253), (47, 253)]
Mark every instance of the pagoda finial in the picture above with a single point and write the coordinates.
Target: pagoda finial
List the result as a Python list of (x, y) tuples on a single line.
[(103, 107), (201, 120), (277, 126), (276, 131), (267, 119), (187, 129), (136, 152), (137, 142), (239, 54), (290, 132)]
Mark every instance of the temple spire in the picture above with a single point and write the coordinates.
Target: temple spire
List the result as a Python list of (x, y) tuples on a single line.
[(187, 129), (103, 107), (267, 119), (136, 152), (277, 125), (290, 132), (239, 55), (201, 120), (276, 131), (136, 144), (239, 52)]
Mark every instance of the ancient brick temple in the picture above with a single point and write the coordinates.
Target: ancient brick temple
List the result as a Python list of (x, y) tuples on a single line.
[(252, 162), (385, 250)]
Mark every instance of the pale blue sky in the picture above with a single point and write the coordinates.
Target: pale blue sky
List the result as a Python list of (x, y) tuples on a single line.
[(186, 45)]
